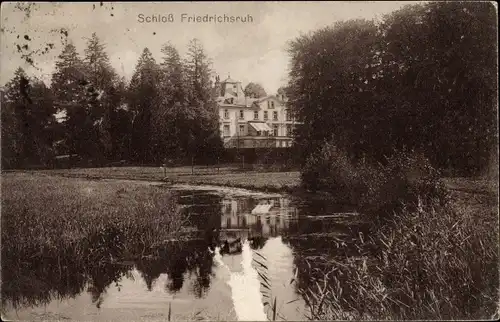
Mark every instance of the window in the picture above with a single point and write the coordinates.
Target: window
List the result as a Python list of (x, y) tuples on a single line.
[(272, 104), (256, 115), (275, 129), (226, 130), (275, 115), (289, 130), (288, 115), (242, 129), (268, 104), (226, 114), (265, 116), (242, 115)]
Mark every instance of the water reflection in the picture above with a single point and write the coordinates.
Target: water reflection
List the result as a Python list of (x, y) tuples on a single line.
[(258, 218), (277, 227)]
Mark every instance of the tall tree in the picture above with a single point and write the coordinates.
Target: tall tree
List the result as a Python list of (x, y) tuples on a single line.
[(104, 84), (143, 96), (168, 135), (206, 142), (254, 90), (329, 85), (422, 79), (100, 73), (72, 96), (27, 122), (448, 85), (14, 105)]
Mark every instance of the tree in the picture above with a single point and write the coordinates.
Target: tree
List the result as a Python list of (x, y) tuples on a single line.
[(103, 83), (423, 79), (329, 88), (99, 71), (448, 84), (168, 136), (283, 90), (143, 95), (69, 85), (27, 122), (205, 140), (13, 108), (254, 90)]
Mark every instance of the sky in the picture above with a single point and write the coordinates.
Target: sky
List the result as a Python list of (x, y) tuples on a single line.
[(252, 51)]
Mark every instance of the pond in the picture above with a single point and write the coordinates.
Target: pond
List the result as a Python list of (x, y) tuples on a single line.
[(189, 281)]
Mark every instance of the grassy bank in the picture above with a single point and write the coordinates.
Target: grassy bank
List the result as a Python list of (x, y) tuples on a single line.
[(229, 176), (55, 230), (46, 211)]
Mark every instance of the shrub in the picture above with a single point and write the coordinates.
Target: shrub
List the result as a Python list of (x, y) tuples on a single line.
[(377, 189), (331, 170)]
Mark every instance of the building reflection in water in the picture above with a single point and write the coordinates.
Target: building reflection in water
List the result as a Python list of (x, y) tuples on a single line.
[(265, 218)]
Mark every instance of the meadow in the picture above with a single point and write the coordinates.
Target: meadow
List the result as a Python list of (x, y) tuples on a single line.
[(225, 175)]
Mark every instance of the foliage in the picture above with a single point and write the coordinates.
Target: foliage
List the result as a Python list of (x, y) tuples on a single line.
[(254, 90), (166, 112), (76, 97), (206, 143), (377, 189), (373, 87), (28, 122), (143, 94), (434, 262)]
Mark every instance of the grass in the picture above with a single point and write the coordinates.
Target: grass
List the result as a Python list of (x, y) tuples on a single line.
[(226, 175), (69, 210), (434, 262), (267, 181), (62, 225)]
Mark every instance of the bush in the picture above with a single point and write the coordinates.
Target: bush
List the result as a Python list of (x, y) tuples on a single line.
[(331, 170), (377, 189)]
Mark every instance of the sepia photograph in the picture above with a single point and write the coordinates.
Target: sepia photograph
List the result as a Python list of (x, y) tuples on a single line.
[(249, 161)]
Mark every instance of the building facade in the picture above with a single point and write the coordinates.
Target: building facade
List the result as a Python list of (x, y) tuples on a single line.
[(252, 123)]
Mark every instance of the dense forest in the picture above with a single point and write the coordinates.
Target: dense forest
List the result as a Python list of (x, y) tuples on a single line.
[(166, 111), (424, 78)]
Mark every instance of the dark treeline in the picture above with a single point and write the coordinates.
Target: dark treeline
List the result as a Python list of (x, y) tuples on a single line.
[(423, 79), (165, 112)]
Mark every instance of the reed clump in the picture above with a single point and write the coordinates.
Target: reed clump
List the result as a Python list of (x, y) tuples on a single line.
[(66, 225)]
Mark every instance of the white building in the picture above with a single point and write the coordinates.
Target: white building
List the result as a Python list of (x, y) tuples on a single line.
[(250, 123)]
